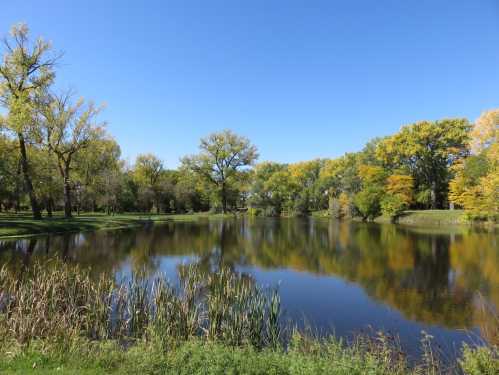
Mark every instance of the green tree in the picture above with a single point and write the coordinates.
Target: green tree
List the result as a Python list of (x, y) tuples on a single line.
[(341, 175), (189, 192), (148, 171), (10, 179), (427, 150), (368, 202), (26, 70), (311, 194), (68, 128), (270, 187), (49, 187), (93, 167), (222, 158)]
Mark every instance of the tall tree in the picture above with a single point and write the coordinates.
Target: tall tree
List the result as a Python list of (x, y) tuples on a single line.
[(148, 172), (94, 166), (427, 150), (27, 68), (69, 128), (475, 186), (271, 188), (9, 174), (223, 155)]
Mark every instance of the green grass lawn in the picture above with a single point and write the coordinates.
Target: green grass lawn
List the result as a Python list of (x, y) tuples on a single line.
[(429, 217), (22, 224), (419, 217), (196, 357)]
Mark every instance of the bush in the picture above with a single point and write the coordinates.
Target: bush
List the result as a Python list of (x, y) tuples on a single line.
[(341, 207), (367, 202), (393, 205), (480, 361), (335, 208), (301, 206), (255, 211)]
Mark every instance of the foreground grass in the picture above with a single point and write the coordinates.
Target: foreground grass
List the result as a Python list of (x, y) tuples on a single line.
[(197, 357), (22, 224), (193, 357)]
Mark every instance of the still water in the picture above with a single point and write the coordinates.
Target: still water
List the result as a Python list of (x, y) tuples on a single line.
[(334, 276)]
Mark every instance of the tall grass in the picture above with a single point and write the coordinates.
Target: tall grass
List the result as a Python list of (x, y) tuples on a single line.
[(61, 301)]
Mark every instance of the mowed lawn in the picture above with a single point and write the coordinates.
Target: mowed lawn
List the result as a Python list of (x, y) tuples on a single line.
[(22, 224)]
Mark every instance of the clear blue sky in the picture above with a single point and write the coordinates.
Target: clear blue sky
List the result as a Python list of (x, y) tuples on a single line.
[(301, 79)]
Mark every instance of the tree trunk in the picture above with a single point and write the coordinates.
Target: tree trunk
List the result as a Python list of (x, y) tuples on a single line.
[(67, 193), (17, 205), (224, 199), (17, 193), (37, 215), (50, 203), (433, 195)]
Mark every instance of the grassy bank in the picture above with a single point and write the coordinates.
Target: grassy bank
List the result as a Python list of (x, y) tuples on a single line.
[(420, 217), (54, 318), (12, 225), (428, 218), (196, 357)]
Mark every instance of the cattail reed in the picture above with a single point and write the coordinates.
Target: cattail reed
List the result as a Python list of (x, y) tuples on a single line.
[(55, 300)]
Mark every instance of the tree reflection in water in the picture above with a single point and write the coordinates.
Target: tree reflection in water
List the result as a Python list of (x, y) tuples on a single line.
[(439, 276)]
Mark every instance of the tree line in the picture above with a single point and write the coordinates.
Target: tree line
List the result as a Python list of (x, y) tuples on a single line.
[(56, 154)]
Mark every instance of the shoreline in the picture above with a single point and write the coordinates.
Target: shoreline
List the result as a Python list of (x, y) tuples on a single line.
[(14, 226)]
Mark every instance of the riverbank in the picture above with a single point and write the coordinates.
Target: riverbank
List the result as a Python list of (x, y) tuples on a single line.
[(428, 218), (196, 357), (23, 225), (422, 218)]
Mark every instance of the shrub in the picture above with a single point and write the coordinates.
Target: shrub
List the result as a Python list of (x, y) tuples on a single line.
[(393, 205), (301, 206), (480, 361), (340, 207), (335, 208), (367, 202)]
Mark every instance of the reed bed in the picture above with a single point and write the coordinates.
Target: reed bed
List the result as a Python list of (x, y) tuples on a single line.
[(59, 301)]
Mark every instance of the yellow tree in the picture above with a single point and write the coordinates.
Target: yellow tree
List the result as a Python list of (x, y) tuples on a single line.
[(402, 186), (476, 183), (485, 133)]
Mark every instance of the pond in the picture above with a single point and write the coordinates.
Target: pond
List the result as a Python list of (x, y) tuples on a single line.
[(341, 277)]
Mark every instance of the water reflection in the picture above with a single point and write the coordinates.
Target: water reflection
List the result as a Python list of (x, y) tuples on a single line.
[(439, 278)]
